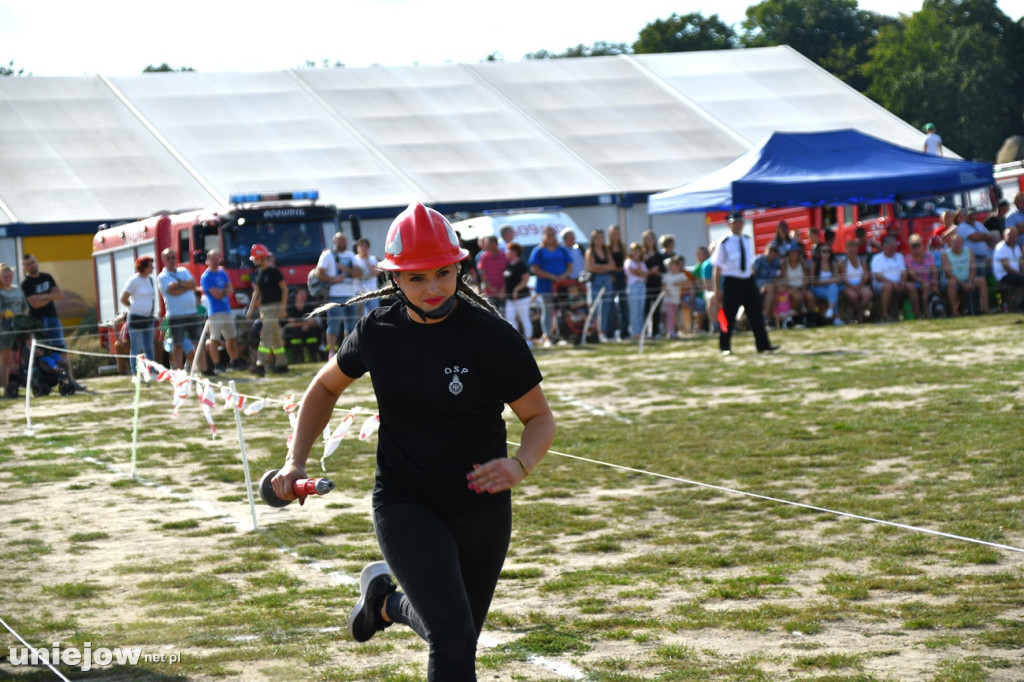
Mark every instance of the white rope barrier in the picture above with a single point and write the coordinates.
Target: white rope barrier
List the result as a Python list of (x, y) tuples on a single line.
[(192, 377), (649, 321), (35, 651), (139, 369), (590, 315), (237, 409), (811, 507), (245, 459)]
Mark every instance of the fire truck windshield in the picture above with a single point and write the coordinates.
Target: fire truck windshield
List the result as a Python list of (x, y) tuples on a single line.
[(292, 243)]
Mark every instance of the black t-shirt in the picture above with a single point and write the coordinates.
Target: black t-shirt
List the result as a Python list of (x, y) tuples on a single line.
[(654, 276), (513, 276), (441, 389), (40, 284), (619, 275), (268, 281)]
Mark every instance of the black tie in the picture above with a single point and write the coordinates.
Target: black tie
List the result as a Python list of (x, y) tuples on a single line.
[(743, 255)]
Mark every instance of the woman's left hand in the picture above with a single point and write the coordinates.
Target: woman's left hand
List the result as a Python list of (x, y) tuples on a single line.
[(496, 476)]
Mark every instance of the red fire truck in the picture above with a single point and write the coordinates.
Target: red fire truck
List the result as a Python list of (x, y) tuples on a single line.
[(291, 224), (920, 216), (1010, 178)]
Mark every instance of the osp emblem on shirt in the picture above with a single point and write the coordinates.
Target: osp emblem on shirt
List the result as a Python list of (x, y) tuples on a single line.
[(456, 385)]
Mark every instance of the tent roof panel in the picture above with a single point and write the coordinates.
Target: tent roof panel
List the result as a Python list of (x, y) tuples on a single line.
[(70, 151), (488, 132)]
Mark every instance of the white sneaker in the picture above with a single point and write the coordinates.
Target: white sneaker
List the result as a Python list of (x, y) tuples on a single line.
[(829, 314), (838, 322)]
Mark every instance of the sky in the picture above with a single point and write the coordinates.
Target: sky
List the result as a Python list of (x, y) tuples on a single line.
[(122, 37)]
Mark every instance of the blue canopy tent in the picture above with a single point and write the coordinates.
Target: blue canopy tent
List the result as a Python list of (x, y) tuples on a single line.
[(822, 168)]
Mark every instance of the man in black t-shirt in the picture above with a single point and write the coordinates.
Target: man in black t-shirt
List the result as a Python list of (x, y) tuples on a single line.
[(41, 290), (269, 294)]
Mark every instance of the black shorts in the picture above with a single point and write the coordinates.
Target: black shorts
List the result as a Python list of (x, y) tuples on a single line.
[(185, 325)]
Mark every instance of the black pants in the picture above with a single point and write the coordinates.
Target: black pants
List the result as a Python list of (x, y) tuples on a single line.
[(1014, 283), (447, 566), (742, 292)]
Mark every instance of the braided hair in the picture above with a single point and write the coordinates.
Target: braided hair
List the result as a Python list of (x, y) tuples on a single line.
[(390, 288)]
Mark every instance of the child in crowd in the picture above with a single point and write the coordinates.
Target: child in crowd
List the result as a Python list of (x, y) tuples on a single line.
[(676, 285), (576, 302), (636, 288)]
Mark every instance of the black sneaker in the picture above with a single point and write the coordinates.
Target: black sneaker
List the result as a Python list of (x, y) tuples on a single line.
[(208, 373), (374, 586), (219, 369), (77, 386), (279, 369), (239, 364), (258, 370)]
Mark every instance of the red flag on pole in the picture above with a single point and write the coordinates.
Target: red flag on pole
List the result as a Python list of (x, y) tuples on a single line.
[(723, 321)]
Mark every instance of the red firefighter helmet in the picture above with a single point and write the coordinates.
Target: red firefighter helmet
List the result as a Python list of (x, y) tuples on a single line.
[(420, 238), (258, 251)]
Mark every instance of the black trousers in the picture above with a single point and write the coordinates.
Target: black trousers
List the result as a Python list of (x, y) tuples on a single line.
[(447, 566), (738, 292)]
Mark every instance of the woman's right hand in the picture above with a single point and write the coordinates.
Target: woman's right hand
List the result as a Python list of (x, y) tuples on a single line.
[(283, 480)]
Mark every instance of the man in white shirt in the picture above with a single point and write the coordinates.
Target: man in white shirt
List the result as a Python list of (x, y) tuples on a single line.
[(178, 287), (735, 286), (979, 239), (1006, 266), (337, 266), (889, 276)]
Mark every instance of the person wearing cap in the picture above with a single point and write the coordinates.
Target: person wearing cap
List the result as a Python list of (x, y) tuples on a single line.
[(269, 300), (996, 222), (733, 262), (444, 365), (932, 142)]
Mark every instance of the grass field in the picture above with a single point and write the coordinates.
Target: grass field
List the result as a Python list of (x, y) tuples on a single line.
[(614, 574)]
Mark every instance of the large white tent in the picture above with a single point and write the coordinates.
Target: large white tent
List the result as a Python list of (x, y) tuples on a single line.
[(470, 135)]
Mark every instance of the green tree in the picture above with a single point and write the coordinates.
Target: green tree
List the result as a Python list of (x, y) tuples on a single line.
[(9, 70), (952, 63), (165, 68), (598, 49), (834, 34), (687, 33)]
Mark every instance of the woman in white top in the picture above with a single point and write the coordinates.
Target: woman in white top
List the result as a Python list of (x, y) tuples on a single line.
[(139, 295), (856, 289), (794, 282), (367, 264)]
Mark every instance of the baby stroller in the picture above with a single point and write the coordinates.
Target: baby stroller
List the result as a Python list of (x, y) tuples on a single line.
[(48, 368), (20, 327), (48, 371), (571, 312)]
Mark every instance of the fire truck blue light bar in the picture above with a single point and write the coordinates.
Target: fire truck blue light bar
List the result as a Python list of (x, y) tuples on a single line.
[(256, 197)]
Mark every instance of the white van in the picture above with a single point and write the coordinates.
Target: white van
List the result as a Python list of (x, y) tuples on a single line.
[(527, 224)]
